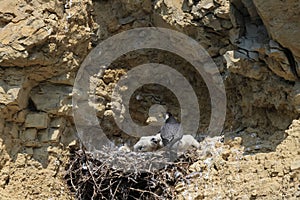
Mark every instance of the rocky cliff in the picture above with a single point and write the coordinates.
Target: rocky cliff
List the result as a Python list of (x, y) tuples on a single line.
[(254, 43)]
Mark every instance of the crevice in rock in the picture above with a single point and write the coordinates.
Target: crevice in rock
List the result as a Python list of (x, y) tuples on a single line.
[(31, 106)]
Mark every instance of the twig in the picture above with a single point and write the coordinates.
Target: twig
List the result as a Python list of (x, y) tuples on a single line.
[(144, 191)]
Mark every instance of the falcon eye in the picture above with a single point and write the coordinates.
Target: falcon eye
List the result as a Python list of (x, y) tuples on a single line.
[(140, 148), (154, 140)]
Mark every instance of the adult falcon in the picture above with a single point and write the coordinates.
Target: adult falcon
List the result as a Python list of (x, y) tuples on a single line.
[(171, 131)]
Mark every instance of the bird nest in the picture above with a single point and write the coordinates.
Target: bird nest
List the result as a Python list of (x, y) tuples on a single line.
[(113, 174)]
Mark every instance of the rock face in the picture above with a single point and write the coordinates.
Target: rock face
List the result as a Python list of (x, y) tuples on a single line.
[(258, 41), (229, 174), (42, 45), (254, 43), (282, 22)]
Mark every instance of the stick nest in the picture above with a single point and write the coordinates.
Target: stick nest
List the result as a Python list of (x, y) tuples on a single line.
[(113, 174)]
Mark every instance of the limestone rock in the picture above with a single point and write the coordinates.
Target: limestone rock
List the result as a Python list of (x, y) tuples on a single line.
[(43, 136), (30, 134), (278, 61), (58, 122), (240, 63), (295, 165), (49, 98), (37, 120), (282, 24), (54, 135)]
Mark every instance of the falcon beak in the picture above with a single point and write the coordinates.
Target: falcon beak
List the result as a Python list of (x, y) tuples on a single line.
[(167, 116)]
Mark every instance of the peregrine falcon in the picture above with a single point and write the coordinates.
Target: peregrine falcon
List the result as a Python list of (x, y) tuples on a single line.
[(171, 131)]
